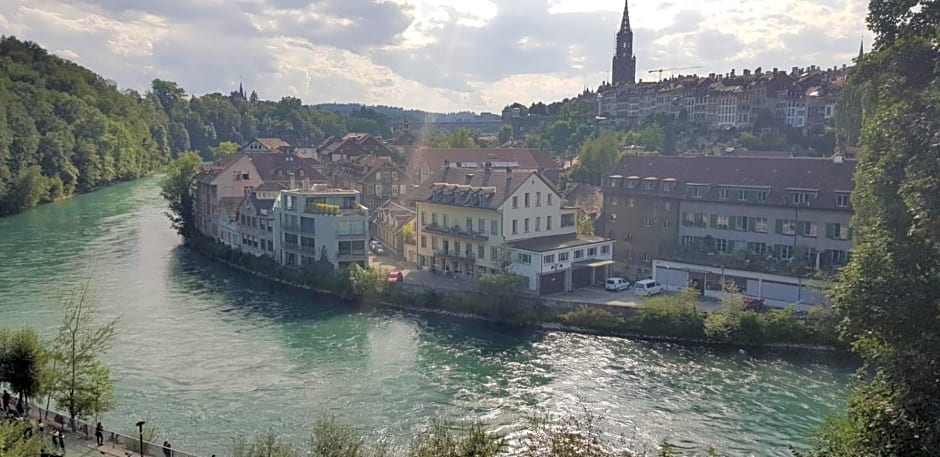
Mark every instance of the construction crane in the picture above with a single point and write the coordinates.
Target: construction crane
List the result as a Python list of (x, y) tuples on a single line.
[(661, 70)]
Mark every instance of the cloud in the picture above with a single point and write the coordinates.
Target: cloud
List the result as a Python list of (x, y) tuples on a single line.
[(435, 54)]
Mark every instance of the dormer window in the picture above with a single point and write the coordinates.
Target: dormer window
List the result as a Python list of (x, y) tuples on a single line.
[(842, 200), (649, 185), (300, 173), (801, 198), (697, 192), (669, 186), (723, 194)]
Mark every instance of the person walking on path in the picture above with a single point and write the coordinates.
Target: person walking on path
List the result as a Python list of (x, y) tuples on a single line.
[(99, 434)]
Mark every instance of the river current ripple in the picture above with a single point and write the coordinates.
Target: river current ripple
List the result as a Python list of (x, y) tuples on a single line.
[(204, 353)]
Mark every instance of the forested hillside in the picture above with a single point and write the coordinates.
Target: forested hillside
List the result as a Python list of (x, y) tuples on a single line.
[(66, 130)]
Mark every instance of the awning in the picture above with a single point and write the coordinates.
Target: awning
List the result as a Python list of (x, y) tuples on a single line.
[(592, 264)]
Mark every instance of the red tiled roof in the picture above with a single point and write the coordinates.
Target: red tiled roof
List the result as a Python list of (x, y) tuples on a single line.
[(272, 143), (487, 188), (277, 166), (527, 158)]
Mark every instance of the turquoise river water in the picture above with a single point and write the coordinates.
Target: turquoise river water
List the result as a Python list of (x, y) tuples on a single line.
[(205, 353)]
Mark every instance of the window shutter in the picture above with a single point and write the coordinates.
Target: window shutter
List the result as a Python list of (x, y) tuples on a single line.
[(779, 228), (803, 227), (714, 220), (830, 231)]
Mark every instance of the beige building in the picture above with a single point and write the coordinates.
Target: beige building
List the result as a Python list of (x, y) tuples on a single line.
[(496, 220)]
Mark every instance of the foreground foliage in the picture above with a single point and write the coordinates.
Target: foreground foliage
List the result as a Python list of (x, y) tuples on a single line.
[(889, 294)]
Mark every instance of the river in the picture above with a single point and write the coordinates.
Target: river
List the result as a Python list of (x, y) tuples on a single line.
[(204, 353)]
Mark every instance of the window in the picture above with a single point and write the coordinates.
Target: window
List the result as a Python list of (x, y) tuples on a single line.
[(760, 224), (548, 223), (842, 200), (697, 192), (538, 199), (631, 203), (786, 226), (757, 248), (515, 202), (647, 222), (444, 220), (350, 227), (723, 194), (494, 228), (434, 218), (433, 242), (469, 224), (667, 223), (801, 198), (291, 202), (762, 195), (567, 220), (631, 184), (547, 259), (687, 241), (424, 241), (700, 219), (457, 247), (592, 252), (494, 253), (688, 219), (538, 223), (808, 229), (562, 256), (784, 251), (647, 258), (740, 223), (605, 249), (523, 258), (721, 245), (480, 252), (667, 206), (578, 254), (649, 185), (525, 225), (549, 199), (837, 231), (742, 195), (839, 257), (394, 176), (669, 186), (809, 255), (515, 226), (722, 222), (481, 226), (526, 199)]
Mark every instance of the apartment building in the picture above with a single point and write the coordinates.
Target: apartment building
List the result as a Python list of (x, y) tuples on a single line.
[(493, 220), (426, 161), (315, 224), (780, 215), (377, 178), (256, 224)]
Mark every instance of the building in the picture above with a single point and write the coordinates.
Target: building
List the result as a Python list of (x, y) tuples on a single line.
[(473, 222), (263, 145), (377, 178), (624, 65), (226, 222), (785, 216), (429, 160), (315, 225), (256, 224), (239, 175), (232, 176), (351, 145), (393, 225)]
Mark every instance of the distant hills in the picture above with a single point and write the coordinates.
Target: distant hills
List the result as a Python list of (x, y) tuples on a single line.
[(395, 114)]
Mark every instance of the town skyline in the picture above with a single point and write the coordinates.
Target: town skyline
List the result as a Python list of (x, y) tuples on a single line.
[(434, 55)]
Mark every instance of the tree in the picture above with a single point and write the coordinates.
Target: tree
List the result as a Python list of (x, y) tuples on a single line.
[(888, 296), (367, 284), (177, 190), (502, 288), (84, 384), (16, 442), (598, 156), (225, 148), (21, 360), (505, 134), (585, 225)]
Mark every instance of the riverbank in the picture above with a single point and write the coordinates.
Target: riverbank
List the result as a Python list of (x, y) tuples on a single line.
[(663, 319)]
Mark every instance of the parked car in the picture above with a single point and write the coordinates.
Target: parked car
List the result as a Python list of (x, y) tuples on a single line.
[(616, 284), (648, 287), (396, 276), (378, 249)]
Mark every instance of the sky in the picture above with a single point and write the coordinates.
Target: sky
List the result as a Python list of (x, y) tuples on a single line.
[(438, 55)]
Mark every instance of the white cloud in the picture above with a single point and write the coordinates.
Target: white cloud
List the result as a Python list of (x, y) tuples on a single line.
[(434, 54)]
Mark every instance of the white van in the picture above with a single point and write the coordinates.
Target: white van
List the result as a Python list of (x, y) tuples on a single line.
[(616, 284), (647, 287)]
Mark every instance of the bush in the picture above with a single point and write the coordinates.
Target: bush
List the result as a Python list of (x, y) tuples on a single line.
[(593, 318), (675, 316), (334, 439), (367, 284), (446, 440)]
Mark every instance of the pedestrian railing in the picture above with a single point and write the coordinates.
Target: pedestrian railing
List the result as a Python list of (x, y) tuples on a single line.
[(129, 444)]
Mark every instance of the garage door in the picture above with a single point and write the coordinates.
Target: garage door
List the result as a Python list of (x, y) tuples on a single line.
[(581, 277), (552, 283)]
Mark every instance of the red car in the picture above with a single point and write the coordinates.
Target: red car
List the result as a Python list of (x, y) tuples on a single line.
[(396, 276)]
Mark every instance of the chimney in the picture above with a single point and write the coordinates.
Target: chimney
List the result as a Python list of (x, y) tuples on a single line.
[(291, 180), (775, 71), (468, 179), (794, 70), (732, 72), (757, 71), (746, 72)]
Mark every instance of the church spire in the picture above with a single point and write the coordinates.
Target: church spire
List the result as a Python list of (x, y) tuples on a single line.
[(624, 70), (861, 48)]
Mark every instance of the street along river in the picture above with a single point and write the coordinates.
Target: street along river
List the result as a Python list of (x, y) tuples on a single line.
[(204, 353)]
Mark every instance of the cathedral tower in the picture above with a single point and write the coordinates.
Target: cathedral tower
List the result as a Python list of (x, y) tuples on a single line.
[(624, 60)]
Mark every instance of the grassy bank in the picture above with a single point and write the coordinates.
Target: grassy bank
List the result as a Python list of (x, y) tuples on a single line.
[(672, 317)]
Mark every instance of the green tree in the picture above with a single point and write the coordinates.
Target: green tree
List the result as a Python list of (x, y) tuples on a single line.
[(503, 289), (585, 225), (504, 134), (598, 156), (21, 360), (224, 149), (177, 190), (367, 284), (888, 294), (16, 442), (84, 384)]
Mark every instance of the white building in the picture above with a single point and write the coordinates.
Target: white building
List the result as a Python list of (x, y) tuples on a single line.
[(496, 220), (315, 223)]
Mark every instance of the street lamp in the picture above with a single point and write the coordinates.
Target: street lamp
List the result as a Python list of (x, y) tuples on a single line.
[(140, 429)]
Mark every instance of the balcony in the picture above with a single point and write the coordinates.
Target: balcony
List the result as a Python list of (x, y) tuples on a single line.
[(455, 232), (455, 255), (356, 253), (290, 246), (298, 229), (336, 210)]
